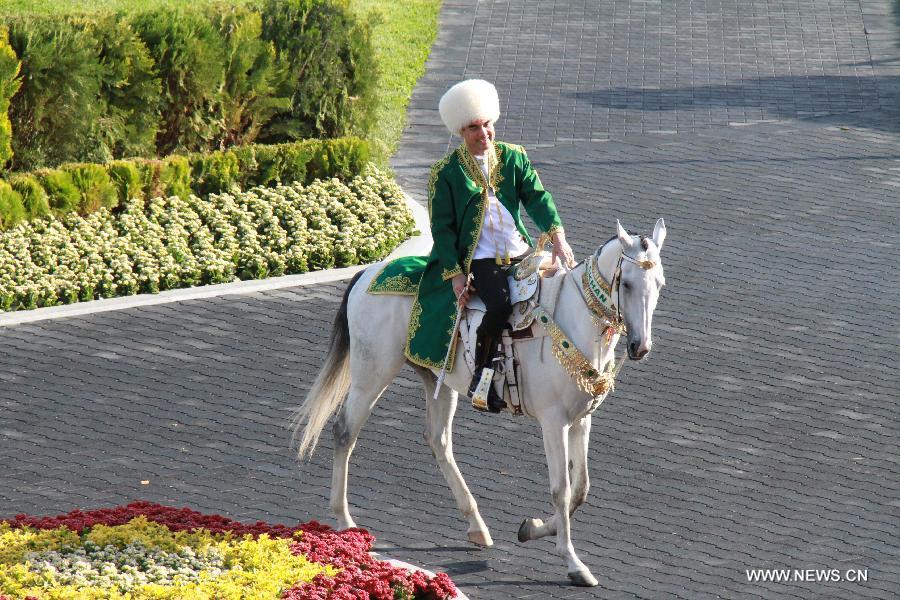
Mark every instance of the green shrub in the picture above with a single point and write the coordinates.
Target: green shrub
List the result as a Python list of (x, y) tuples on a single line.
[(169, 177), (259, 165), (62, 193), (294, 159), (189, 55), (327, 55), (34, 198), (104, 86), (129, 90), (175, 176), (56, 112), (9, 85), (87, 187), (249, 94), (126, 176), (97, 190), (12, 212), (339, 158), (216, 172)]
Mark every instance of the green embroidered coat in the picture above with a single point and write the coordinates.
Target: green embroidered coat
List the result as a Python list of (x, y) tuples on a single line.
[(457, 199)]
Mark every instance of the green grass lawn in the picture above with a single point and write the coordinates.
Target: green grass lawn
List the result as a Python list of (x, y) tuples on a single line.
[(50, 6), (402, 41), (403, 34)]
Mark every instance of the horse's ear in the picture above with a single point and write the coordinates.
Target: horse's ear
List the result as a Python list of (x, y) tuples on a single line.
[(624, 238), (659, 234)]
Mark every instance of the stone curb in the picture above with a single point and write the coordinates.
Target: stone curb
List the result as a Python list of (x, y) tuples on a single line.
[(420, 244), (409, 567)]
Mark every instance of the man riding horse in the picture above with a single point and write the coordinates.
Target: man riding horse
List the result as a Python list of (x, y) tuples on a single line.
[(475, 194), (474, 199)]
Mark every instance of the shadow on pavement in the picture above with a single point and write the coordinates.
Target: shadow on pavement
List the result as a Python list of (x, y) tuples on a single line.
[(780, 97)]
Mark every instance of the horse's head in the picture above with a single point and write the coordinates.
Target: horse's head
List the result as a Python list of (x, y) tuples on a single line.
[(640, 280)]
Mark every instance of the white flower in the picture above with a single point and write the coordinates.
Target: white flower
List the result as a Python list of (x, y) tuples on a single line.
[(172, 242)]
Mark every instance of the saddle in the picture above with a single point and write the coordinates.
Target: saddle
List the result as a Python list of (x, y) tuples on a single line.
[(533, 281)]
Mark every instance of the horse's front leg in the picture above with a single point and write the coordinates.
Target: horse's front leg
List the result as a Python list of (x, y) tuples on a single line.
[(579, 436), (556, 445), (439, 434)]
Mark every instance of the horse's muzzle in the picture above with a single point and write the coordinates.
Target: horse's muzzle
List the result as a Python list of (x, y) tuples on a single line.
[(638, 350)]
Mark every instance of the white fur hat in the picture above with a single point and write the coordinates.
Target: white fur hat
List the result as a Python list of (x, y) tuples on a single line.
[(467, 101)]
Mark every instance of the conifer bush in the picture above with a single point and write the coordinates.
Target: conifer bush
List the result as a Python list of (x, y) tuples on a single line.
[(173, 177), (95, 188), (9, 85), (127, 178), (56, 111), (129, 91), (12, 211), (253, 90), (34, 197), (101, 86), (62, 193), (85, 187), (331, 68), (188, 53)]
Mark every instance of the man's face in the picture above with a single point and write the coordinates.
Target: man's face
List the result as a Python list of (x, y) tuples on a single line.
[(478, 136)]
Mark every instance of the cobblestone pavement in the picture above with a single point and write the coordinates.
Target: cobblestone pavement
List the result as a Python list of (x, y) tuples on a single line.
[(761, 433)]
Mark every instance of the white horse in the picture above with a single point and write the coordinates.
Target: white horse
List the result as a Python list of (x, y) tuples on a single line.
[(366, 353)]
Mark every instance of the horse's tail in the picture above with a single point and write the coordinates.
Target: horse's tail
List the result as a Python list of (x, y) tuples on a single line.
[(330, 387)]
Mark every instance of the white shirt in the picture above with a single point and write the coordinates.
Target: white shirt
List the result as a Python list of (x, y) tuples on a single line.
[(499, 236)]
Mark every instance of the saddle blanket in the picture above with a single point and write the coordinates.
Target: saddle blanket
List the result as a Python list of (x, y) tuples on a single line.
[(532, 281)]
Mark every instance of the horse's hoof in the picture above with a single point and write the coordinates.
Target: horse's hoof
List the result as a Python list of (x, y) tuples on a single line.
[(482, 538), (583, 578), (526, 529)]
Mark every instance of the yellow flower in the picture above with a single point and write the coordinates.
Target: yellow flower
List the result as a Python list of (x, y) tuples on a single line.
[(254, 568)]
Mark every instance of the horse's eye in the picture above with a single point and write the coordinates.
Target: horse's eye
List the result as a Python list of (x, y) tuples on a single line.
[(626, 285)]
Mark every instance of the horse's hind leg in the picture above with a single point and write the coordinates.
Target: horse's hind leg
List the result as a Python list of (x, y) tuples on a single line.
[(439, 434), (579, 436), (369, 381)]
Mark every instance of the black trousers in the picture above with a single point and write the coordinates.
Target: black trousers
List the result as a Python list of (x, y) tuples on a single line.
[(489, 280)]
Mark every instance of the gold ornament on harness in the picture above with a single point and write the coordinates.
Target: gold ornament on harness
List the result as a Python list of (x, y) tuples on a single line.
[(597, 295), (588, 378)]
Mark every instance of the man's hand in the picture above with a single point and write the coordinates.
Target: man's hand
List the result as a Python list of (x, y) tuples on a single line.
[(562, 250), (461, 289)]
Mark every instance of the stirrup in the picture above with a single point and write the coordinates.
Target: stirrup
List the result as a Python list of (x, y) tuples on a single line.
[(480, 396)]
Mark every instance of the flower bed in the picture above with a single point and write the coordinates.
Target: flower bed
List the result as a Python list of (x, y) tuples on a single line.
[(149, 551), (171, 242)]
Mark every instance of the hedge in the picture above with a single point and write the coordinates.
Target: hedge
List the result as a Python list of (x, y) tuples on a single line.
[(97, 87), (85, 187), (9, 85), (173, 242)]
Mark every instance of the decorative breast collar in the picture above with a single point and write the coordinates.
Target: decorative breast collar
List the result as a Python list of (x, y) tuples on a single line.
[(597, 294)]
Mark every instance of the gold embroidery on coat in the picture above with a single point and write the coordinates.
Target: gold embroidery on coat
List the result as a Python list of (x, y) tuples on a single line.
[(433, 177), (398, 284), (414, 321), (470, 166), (450, 273), (553, 229)]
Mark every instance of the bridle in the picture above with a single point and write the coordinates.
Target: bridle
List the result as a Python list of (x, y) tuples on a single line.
[(597, 292), (597, 295)]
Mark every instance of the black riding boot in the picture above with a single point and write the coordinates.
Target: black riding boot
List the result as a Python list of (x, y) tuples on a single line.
[(486, 350)]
